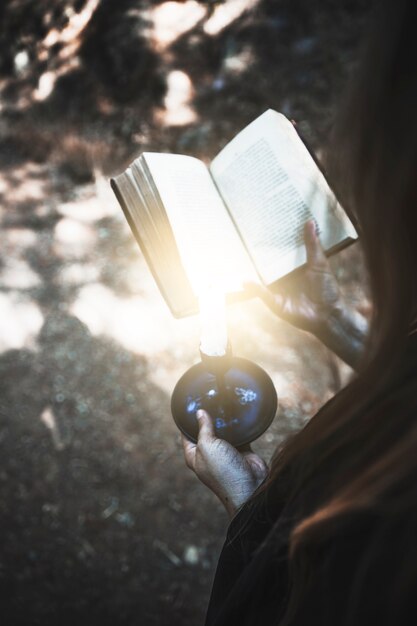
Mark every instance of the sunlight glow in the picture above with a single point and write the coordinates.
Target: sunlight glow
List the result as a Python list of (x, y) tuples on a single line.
[(73, 239), (178, 110), (225, 14), (47, 418), (88, 211), (139, 323), (46, 85), (143, 325), (132, 321), (16, 273), (80, 273), (16, 239), (25, 184), (173, 19), (213, 322), (20, 322), (21, 61), (238, 63), (76, 24), (69, 38)]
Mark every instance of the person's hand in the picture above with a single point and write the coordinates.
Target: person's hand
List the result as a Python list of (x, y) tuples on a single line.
[(231, 474), (309, 300), (313, 302)]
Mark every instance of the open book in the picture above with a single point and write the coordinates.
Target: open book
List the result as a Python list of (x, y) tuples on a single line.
[(240, 219)]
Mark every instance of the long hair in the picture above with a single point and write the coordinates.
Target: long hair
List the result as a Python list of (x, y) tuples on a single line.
[(367, 430)]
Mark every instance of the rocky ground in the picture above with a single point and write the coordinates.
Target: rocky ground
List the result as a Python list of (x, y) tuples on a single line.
[(100, 520)]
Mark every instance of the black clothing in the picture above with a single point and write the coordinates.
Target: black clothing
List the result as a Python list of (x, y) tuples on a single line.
[(352, 584)]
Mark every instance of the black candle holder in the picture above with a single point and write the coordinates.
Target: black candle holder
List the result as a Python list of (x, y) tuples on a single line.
[(238, 394)]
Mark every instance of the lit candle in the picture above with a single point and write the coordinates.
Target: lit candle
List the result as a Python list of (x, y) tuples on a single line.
[(213, 322), (238, 395)]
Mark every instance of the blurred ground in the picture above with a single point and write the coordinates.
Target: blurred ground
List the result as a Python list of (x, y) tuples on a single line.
[(100, 520)]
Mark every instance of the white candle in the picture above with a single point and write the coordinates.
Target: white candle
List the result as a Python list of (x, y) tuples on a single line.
[(213, 322)]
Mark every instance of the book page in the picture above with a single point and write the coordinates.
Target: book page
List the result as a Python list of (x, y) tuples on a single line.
[(272, 186), (155, 241), (209, 245)]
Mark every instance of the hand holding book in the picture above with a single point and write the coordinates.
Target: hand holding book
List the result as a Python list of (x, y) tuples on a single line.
[(239, 219), (314, 302)]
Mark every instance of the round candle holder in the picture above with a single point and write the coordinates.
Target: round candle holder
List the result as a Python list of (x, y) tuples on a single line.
[(238, 394)]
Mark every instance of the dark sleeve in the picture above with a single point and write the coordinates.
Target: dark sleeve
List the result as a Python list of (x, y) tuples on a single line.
[(243, 568), (243, 537)]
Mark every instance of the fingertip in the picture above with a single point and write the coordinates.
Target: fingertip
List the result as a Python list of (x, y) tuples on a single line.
[(203, 419), (310, 230), (316, 257), (205, 424)]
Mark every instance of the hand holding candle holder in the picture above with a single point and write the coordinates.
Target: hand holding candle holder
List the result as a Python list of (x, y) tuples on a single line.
[(238, 394)]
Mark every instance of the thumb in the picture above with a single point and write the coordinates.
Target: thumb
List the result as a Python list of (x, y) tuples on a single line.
[(315, 254), (205, 426)]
